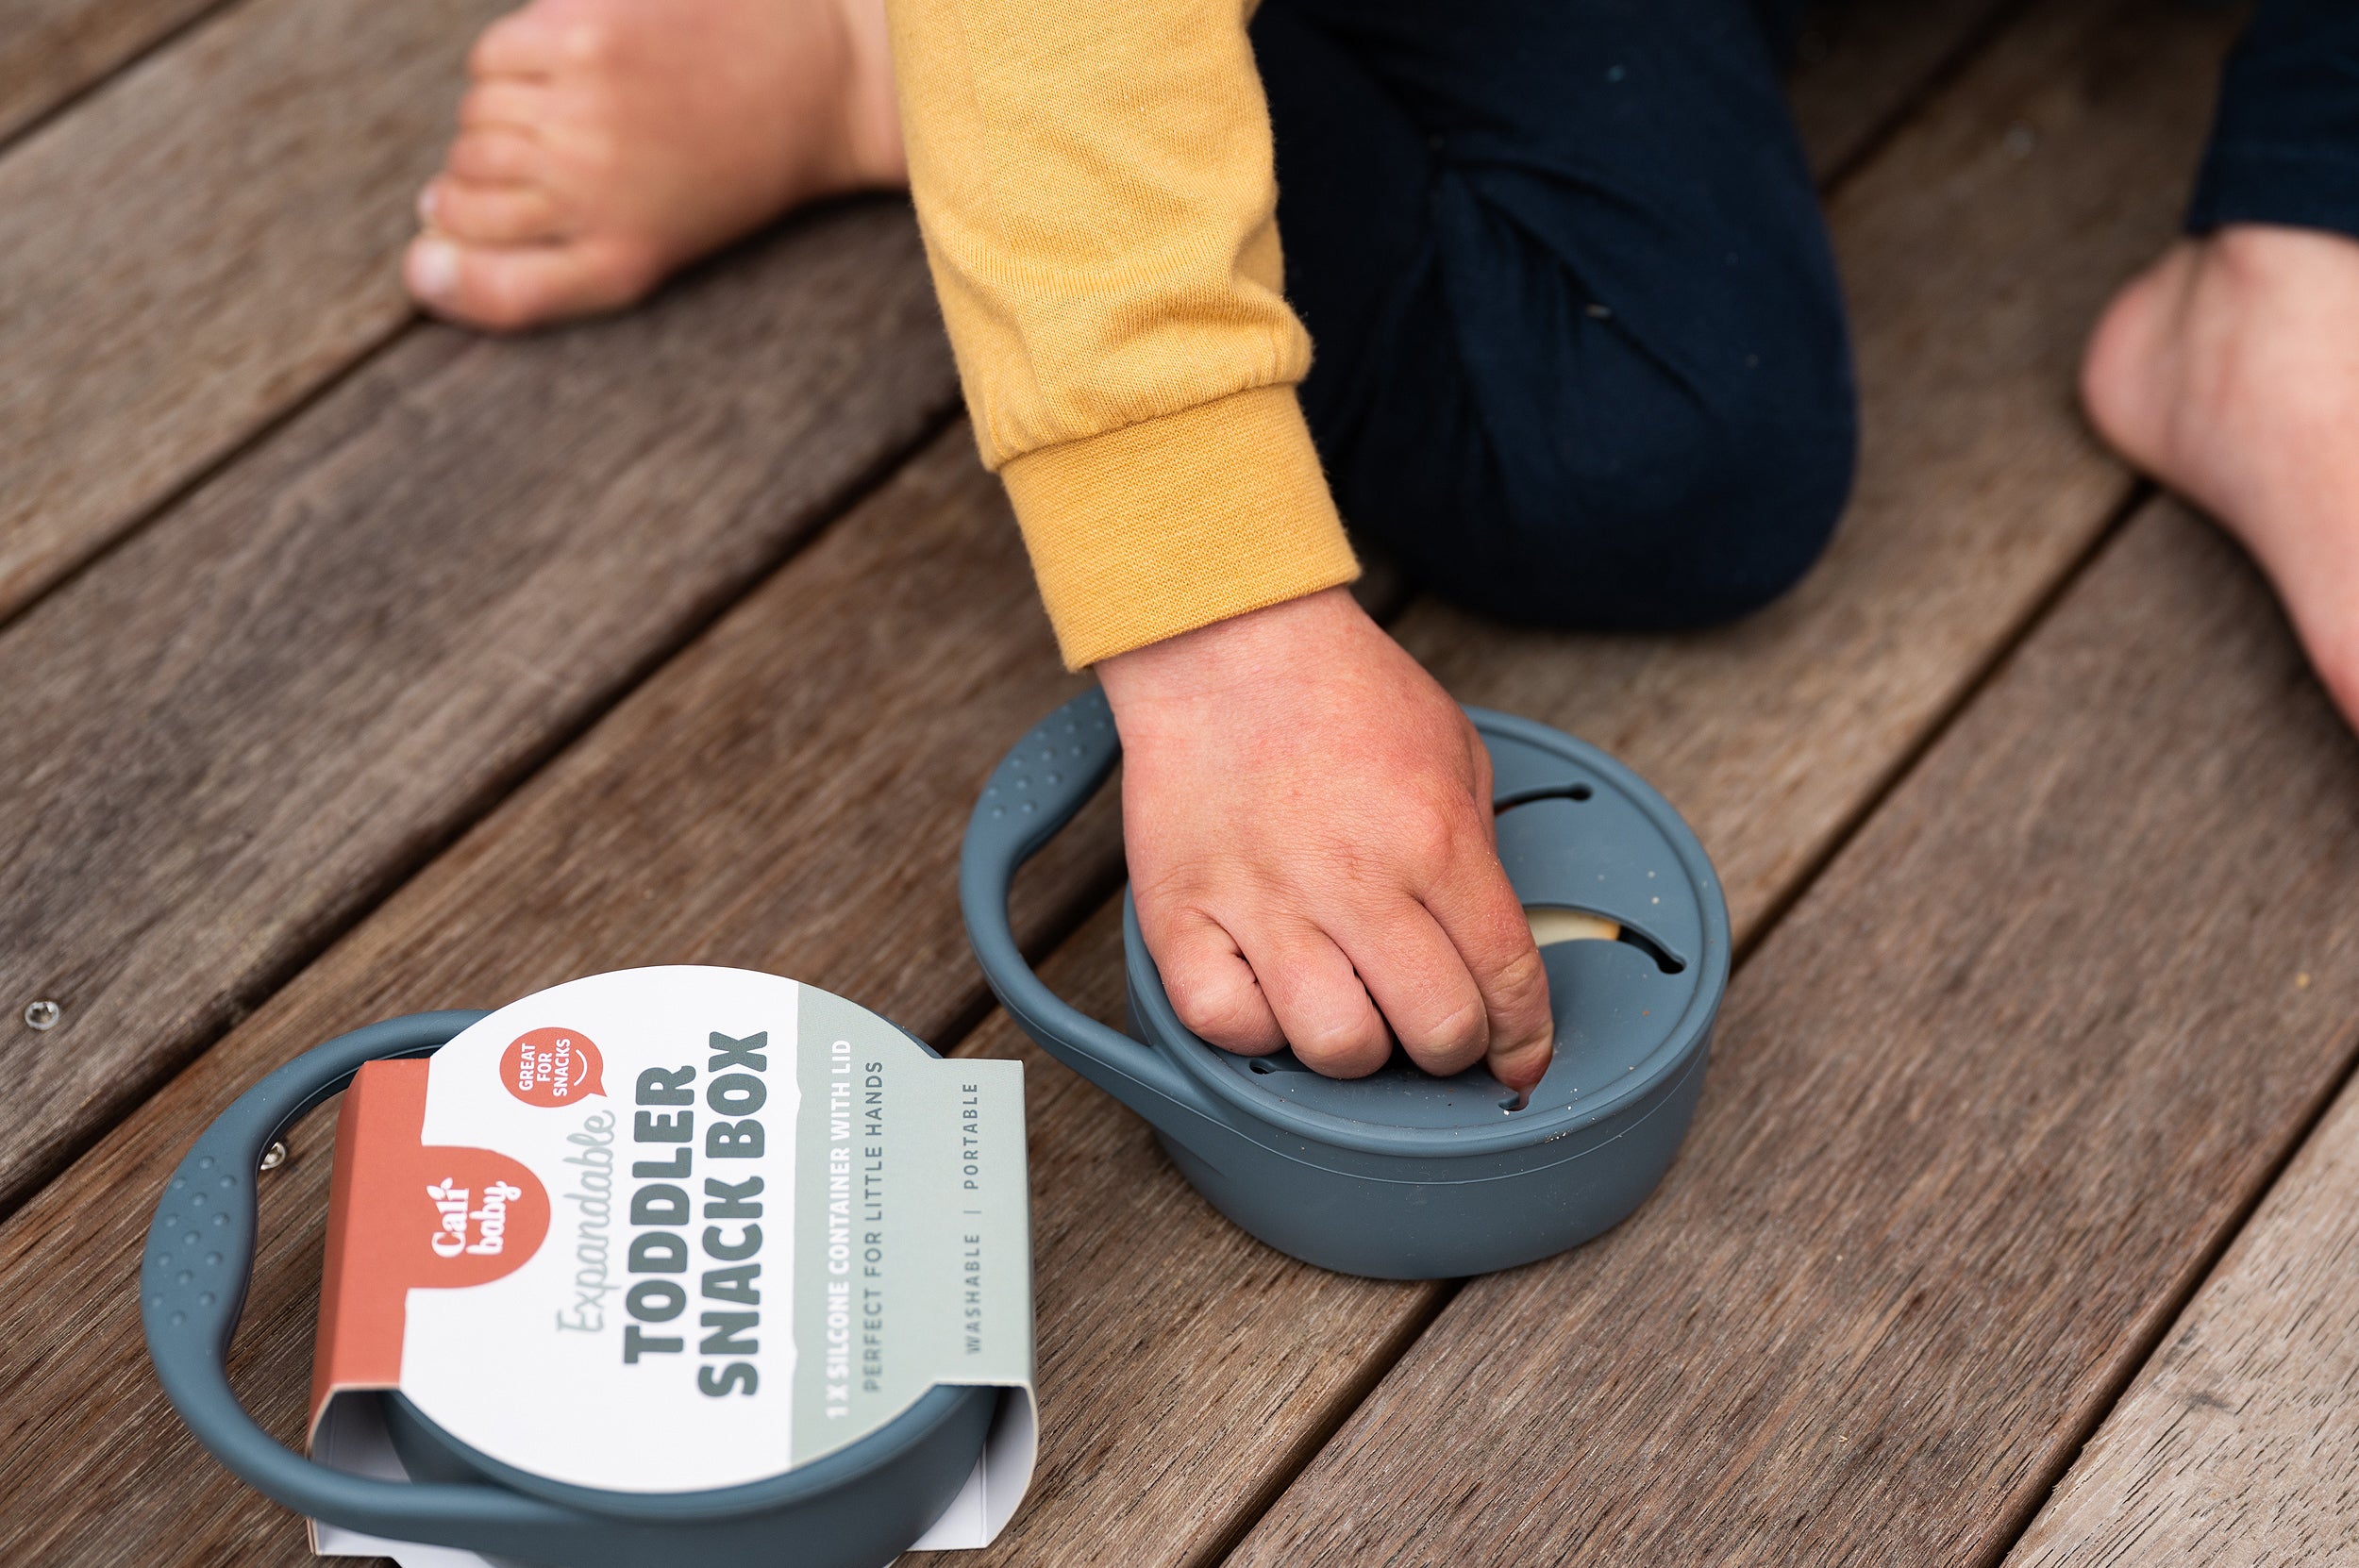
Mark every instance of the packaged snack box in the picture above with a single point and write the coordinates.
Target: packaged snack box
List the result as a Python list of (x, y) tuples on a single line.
[(672, 1265)]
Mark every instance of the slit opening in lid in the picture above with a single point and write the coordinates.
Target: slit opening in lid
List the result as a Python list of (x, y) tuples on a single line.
[(1575, 791), (1554, 923)]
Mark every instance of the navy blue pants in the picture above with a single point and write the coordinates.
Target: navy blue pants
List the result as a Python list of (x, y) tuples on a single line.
[(1580, 355)]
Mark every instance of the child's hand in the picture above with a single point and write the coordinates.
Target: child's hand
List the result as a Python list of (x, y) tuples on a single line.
[(1307, 818)]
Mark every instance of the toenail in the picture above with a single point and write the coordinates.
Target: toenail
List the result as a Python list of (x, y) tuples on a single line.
[(434, 267), (426, 204)]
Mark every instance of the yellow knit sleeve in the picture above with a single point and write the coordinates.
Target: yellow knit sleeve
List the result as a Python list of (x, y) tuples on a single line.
[(1095, 182)]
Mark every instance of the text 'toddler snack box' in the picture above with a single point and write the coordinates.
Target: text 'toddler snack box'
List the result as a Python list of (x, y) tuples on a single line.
[(672, 1245)]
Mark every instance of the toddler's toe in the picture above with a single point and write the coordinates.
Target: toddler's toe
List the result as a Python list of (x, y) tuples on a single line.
[(493, 215), (510, 288), (497, 154), (525, 43)]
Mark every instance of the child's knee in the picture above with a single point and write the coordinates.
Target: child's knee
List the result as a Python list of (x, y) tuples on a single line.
[(1739, 522), (1719, 506)]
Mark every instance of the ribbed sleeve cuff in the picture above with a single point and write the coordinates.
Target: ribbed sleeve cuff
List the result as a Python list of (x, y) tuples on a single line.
[(1163, 526)]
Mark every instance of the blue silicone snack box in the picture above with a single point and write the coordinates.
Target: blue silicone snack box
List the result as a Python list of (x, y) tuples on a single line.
[(1399, 1175)]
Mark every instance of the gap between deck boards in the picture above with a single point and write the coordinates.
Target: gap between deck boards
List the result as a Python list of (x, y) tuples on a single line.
[(2232, 1443), (49, 65)]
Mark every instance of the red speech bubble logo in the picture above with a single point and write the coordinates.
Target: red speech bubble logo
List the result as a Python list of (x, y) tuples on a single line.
[(553, 1067)]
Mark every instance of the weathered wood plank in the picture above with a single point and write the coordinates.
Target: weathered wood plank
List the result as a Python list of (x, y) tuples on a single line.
[(1861, 65), (1975, 253), (209, 237), (245, 725), (1983, 1104), (787, 794), (52, 49), (2238, 1445)]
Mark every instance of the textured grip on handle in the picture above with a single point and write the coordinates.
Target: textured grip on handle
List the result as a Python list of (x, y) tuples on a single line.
[(193, 1284), (1046, 778)]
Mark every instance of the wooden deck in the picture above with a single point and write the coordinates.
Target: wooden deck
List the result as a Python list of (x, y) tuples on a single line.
[(351, 665)]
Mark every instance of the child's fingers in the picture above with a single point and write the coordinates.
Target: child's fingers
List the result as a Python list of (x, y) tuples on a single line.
[(1321, 1007), (1212, 987), (1417, 978), (1478, 907)]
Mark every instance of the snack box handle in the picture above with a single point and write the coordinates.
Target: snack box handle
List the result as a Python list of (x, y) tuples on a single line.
[(1038, 787), (193, 1284)]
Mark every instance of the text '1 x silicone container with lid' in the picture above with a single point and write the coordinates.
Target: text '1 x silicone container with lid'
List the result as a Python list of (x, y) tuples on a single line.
[(1400, 1174)]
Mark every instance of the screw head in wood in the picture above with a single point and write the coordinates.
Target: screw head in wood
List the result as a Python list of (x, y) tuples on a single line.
[(42, 1014), (275, 1156)]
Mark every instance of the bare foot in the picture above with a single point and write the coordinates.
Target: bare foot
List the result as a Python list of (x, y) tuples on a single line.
[(605, 144), (2230, 371)]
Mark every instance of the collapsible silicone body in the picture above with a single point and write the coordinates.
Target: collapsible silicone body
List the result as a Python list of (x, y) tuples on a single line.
[(1399, 1175), (856, 1507)]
